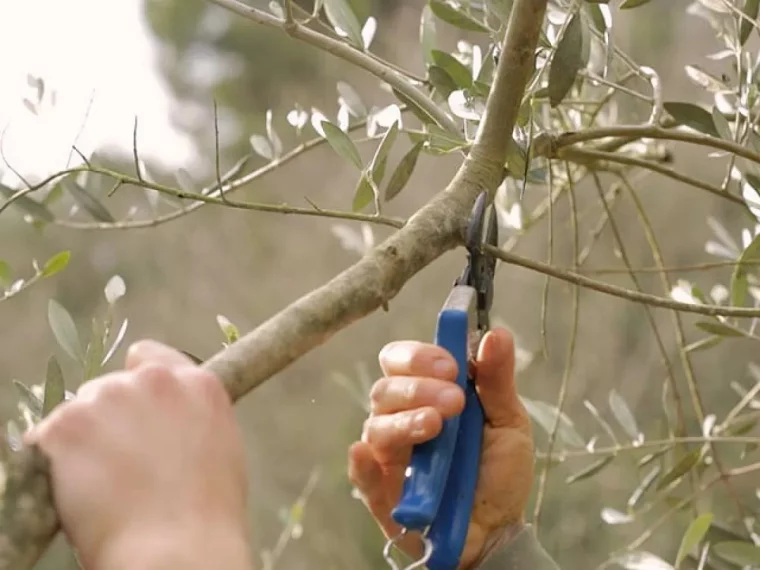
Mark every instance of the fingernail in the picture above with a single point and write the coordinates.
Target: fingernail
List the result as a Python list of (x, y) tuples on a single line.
[(444, 368), (449, 397), (418, 424)]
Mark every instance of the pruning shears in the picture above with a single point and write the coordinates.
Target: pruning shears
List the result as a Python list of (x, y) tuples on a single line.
[(439, 488)]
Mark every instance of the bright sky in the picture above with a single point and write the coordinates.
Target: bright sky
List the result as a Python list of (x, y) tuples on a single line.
[(92, 53)]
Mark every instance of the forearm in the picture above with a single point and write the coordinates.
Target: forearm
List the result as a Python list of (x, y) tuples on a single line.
[(169, 549), (520, 552)]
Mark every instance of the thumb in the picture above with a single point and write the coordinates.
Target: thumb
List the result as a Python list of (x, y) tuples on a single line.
[(495, 380)]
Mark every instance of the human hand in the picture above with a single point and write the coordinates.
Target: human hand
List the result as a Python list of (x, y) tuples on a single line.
[(408, 407), (147, 466)]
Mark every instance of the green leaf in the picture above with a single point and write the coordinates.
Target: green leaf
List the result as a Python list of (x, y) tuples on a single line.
[(745, 28), (739, 283), (88, 202), (721, 124), (546, 416), (418, 111), (64, 330), (29, 398), (427, 34), (500, 8), (624, 416), (693, 536), (31, 207), (455, 17), (704, 343), (342, 17), (95, 352), (403, 172), (55, 264), (590, 470), (692, 116), (229, 330), (681, 468), (718, 328), (342, 144), (455, 68), (380, 158), (441, 80), (629, 4), (5, 273), (364, 194), (567, 61), (738, 552), (55, 390)]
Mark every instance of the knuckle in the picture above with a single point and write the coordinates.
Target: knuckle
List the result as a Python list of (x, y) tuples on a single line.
[(208, 385), (378, 392), (157, 378)]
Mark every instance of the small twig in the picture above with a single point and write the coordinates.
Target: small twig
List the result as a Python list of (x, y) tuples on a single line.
[(570, 354), (615, 291), (649, 132), (657, 99), (672, 268), (135, 153), (219, 184), (583, 156)]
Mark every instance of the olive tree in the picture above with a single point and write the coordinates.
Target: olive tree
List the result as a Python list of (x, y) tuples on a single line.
[(530, 103)]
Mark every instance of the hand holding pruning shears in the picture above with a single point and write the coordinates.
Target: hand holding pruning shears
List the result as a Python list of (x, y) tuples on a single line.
[(445, 464)]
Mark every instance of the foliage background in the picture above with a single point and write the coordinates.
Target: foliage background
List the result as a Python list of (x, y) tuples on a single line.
[(248, 265)]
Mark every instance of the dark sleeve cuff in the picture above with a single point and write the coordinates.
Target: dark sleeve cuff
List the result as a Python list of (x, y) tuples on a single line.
[(522, 552)]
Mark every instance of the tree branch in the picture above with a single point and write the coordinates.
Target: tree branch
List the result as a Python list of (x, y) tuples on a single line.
[(311, 321), (349, 53)]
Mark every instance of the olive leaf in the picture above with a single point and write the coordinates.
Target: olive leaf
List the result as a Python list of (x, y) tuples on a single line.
[(739, 282), (88, 202), (403, 172), (693, 536), (343, 19), (590, 470), (567, 61), (53, 265), (692, 116), (750, 12), (342, 144), (64, 330), (55, 389), (456, 18)]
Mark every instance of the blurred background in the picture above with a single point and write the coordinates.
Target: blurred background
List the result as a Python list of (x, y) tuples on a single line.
[(166, 61)]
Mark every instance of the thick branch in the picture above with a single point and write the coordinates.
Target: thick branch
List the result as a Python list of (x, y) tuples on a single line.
[(313, 319)]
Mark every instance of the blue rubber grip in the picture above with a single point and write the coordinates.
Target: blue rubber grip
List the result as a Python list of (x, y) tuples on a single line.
[(449, 529), (429, 467)]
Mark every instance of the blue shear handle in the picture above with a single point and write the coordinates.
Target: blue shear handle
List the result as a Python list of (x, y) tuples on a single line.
[(449, 529), (429, 467)]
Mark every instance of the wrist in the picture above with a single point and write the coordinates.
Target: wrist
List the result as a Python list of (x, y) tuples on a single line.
[(172, 546)]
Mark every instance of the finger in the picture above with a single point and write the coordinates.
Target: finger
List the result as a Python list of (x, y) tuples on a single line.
[(392, 436), (413, 358), (495, 379), (366, 474), (400, 393), (378, 492), (145, 351)]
